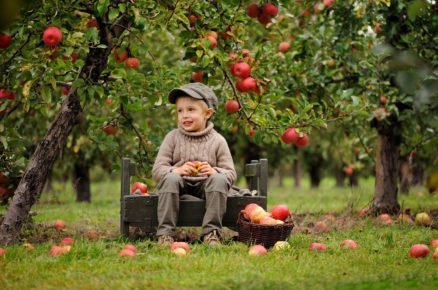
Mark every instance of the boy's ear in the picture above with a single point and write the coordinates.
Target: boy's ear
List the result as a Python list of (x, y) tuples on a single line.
[(209, 112)]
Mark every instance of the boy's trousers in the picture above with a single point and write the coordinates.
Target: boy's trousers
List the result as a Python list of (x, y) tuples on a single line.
[(173, 187)]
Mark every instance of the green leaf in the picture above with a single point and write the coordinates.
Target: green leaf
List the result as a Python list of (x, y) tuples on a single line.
[(417, 8), (102, 7), (46, 94), (113, 13)]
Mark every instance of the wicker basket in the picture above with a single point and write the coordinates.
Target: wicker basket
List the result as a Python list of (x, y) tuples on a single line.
[(266, 235)]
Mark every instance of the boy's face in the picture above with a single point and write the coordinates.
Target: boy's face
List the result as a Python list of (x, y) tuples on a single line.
[(192, 114)]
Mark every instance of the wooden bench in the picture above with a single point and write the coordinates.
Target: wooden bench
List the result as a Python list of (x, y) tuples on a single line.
[(141, 211)]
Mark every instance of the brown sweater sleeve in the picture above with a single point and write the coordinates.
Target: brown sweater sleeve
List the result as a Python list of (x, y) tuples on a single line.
[(163, 162)]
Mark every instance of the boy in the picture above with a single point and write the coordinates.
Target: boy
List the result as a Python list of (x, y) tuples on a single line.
[(193, 159)]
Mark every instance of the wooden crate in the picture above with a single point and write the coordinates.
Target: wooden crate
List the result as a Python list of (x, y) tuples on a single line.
[(141, 211)]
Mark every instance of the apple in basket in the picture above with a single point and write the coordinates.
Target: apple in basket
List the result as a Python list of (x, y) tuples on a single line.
[(280, 212), (248, 210)]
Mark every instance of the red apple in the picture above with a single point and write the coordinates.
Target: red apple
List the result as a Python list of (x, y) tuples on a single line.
[(232, 106), (284, 46), (180, 245), (67, 241), (2, 251), (248, 210), (349, 244), (263, 19), (280, 212), (253, 10), (110, 129), (55, 251), (197, 76), (317, 247), (5, 40), (74, 57), (132, 62), (213, 34), (212, 40), (423, 219), (120, 57), (65, 91), (419, 251), (434, 243), (385, 218), (302, 140), (7, 95), (59, 224), (328, 3), (65, 249), (92, 22), (270, 10), (140, 186), (52, 36), (348, 170), (252, 132), (192, 18), (126, 253), (241, 70), (131, 248), (321, 227), (435, 254), (248, 84), (257, 250), (289, 136)]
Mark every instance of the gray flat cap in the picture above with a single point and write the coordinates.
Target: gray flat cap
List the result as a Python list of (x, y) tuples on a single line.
[(195, 90)]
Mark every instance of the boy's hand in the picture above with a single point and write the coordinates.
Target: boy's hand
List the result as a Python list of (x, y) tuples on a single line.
[(188, 168), (206, 169)]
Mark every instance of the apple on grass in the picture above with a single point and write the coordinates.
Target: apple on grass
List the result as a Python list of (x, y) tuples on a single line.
[(257, 250), (179, 252), (281, 245), (180, 245), (126, 253), (29, 246), (59, 224), (435, 254), (350, 244), (385, 219), (67, 241), (419, 251), (423, 219), (2, 251), (131, 248), (321, 227), (317, 247), (434, 243)]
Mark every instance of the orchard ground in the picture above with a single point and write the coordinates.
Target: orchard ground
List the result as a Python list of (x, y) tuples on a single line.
[(381, 260)]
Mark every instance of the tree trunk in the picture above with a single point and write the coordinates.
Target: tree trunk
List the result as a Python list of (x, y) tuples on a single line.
[(387, 156), (353, 180), (297, 169), (41, 163), (315, 165), (81, 180), (340, 178), (38, 169)]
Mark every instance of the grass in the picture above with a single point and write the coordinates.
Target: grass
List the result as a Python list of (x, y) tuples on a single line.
[(380, 262)]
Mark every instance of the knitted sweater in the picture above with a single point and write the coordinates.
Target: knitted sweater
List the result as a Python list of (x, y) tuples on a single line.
[(180, 146)]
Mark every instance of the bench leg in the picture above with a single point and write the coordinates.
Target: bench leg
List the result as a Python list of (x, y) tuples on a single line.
[(124, 229)]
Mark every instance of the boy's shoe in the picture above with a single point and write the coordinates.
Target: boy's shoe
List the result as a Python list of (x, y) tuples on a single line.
[(212, 239), (165, 240)]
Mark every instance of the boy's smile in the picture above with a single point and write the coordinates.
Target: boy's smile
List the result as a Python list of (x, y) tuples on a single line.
[(192, 114)]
